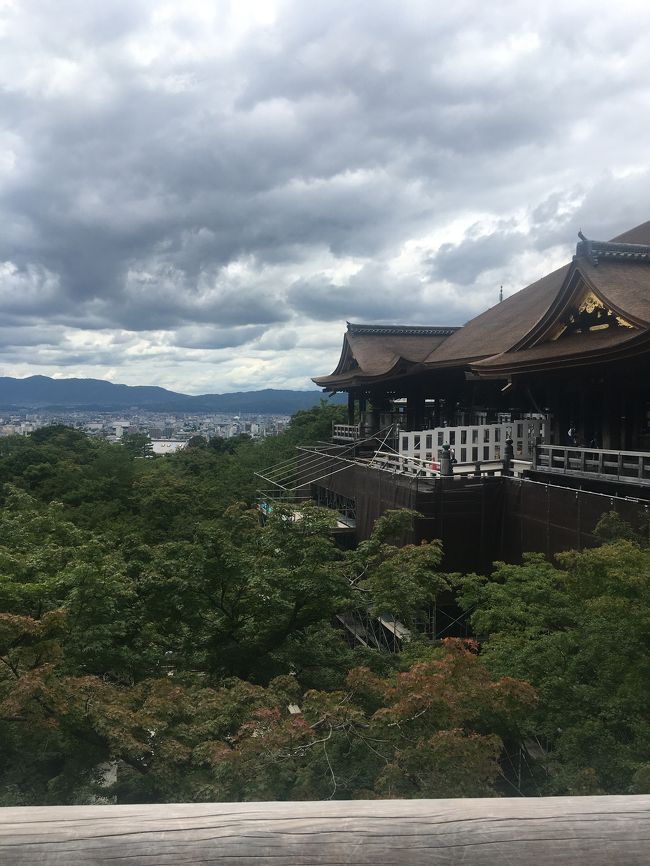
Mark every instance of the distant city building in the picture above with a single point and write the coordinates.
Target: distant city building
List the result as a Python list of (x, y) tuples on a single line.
[(113, 426), (168, 446)]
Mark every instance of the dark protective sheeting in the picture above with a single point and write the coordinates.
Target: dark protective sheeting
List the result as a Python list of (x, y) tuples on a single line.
[(481, 520), (374, 491), (548, 519)]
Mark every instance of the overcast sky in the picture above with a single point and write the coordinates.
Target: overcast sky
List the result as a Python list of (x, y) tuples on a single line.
[(199, 194)]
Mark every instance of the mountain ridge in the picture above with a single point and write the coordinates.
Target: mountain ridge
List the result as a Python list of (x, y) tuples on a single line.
[(43, 392)]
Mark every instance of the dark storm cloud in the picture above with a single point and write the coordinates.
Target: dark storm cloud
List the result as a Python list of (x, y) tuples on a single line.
[(375, 295), (165, 169), (366, 296), (463, 262), (199, 337), (601, 212), (163, 301), (21, 336)]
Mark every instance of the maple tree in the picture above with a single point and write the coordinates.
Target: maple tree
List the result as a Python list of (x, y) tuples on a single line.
[(179, 649), (578, 633), (423, 732), (149, 621)]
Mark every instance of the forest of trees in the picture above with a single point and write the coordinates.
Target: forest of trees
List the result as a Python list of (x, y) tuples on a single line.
[(149, 622)]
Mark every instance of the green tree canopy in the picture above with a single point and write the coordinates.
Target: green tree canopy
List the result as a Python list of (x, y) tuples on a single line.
[(579, 634)]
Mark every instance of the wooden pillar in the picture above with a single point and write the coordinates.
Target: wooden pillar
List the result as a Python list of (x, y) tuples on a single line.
[(607, 442), (419, 411), (567, 415), (376, 404), (410, 413), (415, 410), (581, 423), (636, 411), (623, 420), (350, 408), (362, 411)]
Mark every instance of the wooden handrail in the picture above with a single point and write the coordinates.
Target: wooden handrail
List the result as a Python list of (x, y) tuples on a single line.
[(591, 450), (540, 831), (587, 462)]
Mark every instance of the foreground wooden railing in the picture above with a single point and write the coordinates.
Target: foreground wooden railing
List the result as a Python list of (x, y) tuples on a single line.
[(563, 831)]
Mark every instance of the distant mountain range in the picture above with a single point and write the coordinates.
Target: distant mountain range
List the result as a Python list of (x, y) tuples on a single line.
[(41, 392)]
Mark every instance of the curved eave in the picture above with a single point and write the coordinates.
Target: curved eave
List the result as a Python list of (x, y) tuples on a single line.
[(559, 307), (509, 364), (346, 359), (359, 379), (461, 363), (374, 353)]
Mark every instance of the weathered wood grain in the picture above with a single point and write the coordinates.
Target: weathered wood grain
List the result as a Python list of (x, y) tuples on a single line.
[(554, 831)]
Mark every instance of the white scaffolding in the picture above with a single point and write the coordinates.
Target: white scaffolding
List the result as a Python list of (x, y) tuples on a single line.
[(291, 479)]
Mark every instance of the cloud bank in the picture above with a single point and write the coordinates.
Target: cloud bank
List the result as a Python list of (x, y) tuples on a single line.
[(200, 197)]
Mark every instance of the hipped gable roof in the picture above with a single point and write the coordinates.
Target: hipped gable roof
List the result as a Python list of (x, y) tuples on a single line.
[(617, 273), (623, 283), (377, 351)]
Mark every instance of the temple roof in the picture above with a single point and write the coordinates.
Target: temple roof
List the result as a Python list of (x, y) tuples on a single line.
[(522, 332), (638, 235), (621, 276), (615, 275), (625, 285), (495, 330), (576, 350), (377, 351)]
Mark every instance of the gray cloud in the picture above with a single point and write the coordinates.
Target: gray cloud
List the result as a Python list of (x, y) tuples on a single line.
[(233, 180), (463, 262), (201, 337), (373, 294)]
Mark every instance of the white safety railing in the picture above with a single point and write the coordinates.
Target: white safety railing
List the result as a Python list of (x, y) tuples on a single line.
[(471, 444), (390, 461), (404, 465)]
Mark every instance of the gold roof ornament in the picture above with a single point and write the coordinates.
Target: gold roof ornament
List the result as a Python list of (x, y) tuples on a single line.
[(591, 314)]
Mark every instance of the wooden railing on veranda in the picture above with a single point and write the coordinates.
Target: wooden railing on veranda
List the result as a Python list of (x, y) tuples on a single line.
[(536, 831), (346, 432), (627, 466)]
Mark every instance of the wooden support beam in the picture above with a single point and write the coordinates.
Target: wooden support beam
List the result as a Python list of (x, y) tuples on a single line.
[(350, 408), (581, 831)]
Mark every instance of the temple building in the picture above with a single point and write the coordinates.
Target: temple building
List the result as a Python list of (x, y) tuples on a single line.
[(514, 432), (573, 346)]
